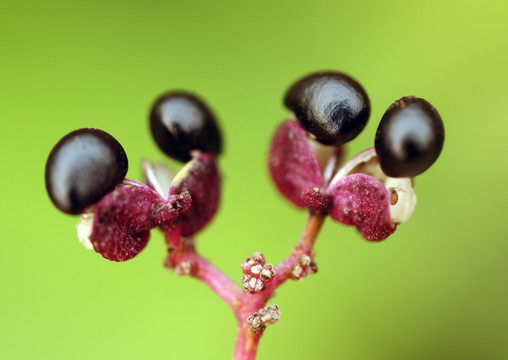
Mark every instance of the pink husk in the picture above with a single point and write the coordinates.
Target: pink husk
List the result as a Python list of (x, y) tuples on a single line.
[(292, 163), (123, 217), (200, 177), (362, 201)]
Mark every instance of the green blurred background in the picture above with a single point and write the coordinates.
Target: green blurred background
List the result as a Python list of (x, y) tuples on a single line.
[(436, 289)]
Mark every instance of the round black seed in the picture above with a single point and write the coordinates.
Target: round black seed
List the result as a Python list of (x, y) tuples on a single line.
[(82, 167), (409, 138), (180, 122), (330, 105)]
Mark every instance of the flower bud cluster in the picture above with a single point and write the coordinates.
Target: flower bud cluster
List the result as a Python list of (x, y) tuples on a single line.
[(257, 274), (302, 267), (265, 317)]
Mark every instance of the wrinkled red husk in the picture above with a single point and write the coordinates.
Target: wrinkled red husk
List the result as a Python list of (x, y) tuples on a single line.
[(202, 181), (292, 163), (362, 201), (123, 218)]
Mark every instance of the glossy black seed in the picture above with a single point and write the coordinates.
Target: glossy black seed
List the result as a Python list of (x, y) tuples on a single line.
[(330, 105), (181, 122), (82, 167), (409, 138)]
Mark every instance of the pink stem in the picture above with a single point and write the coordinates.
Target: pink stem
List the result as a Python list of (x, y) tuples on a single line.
[(247, 341), (183, 257), (230, 292)]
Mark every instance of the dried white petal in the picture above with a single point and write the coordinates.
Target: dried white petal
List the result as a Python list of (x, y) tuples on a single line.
[(260, 285), (183, 172), (322, 152), (84, 228), (159, 177), (185, 268), (405, 203), (296, 271), (267, 274), (304, 260), (256, 269)]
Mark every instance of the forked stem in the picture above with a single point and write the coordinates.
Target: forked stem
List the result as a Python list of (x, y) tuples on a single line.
[(185, 260), (183, 257)]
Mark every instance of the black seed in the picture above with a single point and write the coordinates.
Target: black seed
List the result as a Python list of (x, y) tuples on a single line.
[(82, 167), (409, 138), (332, 106), (181, 122)]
